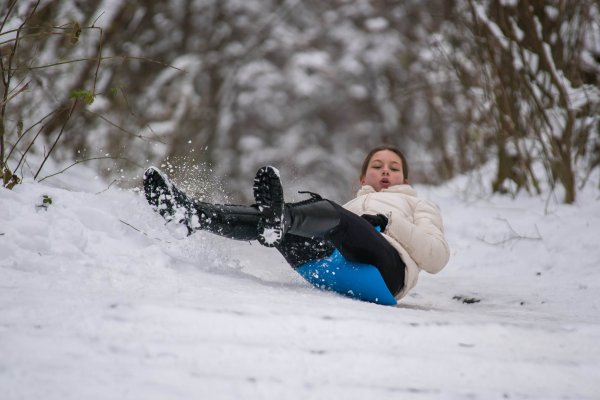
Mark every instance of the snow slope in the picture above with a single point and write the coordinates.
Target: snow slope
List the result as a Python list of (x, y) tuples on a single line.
[(99, 301)]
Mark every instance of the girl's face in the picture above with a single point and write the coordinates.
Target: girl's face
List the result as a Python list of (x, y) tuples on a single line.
[(384, 170)]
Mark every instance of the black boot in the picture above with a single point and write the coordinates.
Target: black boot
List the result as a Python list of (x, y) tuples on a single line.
[(171, 203), (232, 221), (227, 220), (268, 195), (311, 218), (315, 217)]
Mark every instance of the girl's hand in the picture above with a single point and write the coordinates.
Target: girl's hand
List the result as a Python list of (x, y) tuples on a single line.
[(379, 220)]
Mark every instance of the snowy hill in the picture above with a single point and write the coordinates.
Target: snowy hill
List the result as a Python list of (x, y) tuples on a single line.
[(99, 301)]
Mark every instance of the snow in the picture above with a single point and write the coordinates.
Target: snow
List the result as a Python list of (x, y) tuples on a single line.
[(377, 24), (271, 236), (491, 26), (98, 300), (306, 72)]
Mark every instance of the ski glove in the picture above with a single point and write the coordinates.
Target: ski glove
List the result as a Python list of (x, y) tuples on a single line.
[(379, 220)]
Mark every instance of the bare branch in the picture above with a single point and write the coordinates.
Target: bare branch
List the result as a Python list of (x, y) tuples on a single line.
[(14, 147), (62, 129), (86, 160), (99, 59), (513, 235), (136, 135), (142, 232)]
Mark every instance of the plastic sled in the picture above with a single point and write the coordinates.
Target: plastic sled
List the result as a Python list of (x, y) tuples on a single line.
[(359, 281)]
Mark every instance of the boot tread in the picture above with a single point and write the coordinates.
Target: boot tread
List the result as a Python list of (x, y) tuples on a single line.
[(268, 194)]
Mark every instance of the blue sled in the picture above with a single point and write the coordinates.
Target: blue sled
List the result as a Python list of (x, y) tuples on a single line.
[(359, 281)]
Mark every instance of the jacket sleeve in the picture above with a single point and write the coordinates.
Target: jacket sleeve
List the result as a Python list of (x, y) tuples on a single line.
[(423, 238)]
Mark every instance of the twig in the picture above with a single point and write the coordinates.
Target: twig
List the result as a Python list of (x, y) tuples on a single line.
[(62, 129), (143, 233), (42, 31), (115, 125), (514, 235), (108, 187), (89, 159), (551, 195), (14, 147), (99, 59), (12, 96), (34, 35), (34, 139), (97, 18), (130, 109), (9, 11), (100, 44)]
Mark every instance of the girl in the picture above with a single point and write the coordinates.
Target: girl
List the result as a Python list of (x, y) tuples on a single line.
[(409, 238)]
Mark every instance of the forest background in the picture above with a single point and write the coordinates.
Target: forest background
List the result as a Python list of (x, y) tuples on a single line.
[(213, 89)]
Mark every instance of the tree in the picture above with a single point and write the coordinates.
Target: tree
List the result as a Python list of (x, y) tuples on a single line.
[(220, 87), (539, 73), (21, 69)]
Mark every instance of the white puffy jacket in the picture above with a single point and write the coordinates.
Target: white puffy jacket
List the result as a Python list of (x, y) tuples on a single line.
[(414, 228)]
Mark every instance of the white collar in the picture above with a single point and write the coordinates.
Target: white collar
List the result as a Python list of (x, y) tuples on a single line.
[(403, 189)]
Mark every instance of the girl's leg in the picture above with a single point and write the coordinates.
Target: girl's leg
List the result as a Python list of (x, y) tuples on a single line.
[(355, 238), (319, 226), (231, 221), (298, 250), (358, 241)]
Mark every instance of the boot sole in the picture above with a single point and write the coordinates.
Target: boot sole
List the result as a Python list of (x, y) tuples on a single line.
[(268, 195), (166, 199), (158, 192)]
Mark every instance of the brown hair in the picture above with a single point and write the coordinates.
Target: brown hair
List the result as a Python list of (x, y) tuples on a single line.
[(365, 165)]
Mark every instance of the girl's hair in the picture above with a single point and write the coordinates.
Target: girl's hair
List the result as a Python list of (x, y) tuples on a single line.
[(365, 165)]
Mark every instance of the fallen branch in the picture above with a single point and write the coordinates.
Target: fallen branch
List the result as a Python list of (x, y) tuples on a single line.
[(514, 235)]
